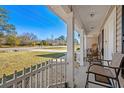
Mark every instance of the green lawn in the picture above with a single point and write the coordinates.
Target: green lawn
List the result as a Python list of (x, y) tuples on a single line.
[(9, 62)]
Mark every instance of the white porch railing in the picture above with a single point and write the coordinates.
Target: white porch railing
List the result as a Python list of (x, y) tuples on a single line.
[(51, 73), (77, 56)]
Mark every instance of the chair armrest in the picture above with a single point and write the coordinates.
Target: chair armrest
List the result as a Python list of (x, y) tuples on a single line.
[(105, 60), (104, 66), (108, 61)]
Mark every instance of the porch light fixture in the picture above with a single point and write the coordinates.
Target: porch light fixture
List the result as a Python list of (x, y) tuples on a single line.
[(92, 27), (92, 14)]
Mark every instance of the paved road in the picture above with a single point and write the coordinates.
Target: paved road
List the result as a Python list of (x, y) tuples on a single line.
[(49, 50), (31, 49), (19, 48)]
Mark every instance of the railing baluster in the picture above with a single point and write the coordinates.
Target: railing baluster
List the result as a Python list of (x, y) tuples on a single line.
[(41, 78), (15, 76), (23, 80), (43, 75), (52, 72), (46, 74), (30, 84), (65, 69), (61, 71), (36, 77), (4, 79), (56, 71)]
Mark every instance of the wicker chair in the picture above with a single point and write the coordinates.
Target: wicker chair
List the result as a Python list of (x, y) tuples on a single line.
[(94, 57), (106, 72)]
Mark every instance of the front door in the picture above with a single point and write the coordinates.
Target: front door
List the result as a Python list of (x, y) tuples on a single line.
[(109, 30), (102, 50), (106, 44)]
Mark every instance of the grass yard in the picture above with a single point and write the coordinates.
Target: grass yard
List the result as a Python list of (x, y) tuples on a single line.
[(11, 61)]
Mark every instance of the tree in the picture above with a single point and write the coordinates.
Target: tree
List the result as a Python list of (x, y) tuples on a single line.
[(17, 41), (28, 39), (10, 29), (61, 39), (5, 27), (44, 43), (13, 40), (3, 19)]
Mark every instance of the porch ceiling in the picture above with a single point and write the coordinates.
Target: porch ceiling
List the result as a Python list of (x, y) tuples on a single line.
[(91, 17)]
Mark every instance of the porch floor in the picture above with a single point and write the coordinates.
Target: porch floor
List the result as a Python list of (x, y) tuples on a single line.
[(80, 77)]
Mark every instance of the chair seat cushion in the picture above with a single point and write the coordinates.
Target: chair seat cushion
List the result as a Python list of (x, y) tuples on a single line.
[(102, 79), (96, 69)]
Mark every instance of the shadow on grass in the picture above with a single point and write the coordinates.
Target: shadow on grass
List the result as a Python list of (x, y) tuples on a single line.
[(52, 55)]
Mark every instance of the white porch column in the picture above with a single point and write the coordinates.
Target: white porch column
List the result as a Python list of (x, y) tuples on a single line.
[(82, 47), (70, 51), (85, 47)]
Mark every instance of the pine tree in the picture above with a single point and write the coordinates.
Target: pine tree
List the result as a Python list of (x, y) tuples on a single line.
[(5, 27)]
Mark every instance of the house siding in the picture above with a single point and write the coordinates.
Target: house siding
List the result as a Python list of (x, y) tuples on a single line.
[(118, 41), (118, 30)]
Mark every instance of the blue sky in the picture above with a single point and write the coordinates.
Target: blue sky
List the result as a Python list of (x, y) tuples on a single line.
[(36, 19)]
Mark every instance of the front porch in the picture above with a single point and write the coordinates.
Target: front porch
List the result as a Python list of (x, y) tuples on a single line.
[(97, 25)]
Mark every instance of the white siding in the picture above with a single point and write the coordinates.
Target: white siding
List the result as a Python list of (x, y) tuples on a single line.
[(118, 28)]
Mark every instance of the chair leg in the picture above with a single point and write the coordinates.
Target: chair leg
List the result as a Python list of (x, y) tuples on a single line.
[(86, 85), (118, 83), (112, 83)]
